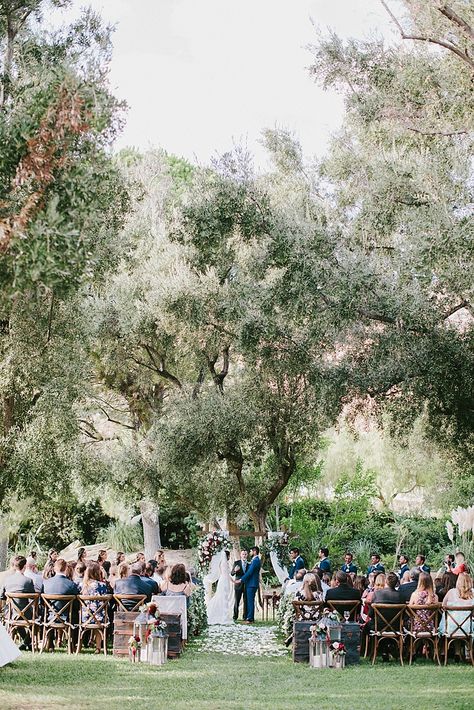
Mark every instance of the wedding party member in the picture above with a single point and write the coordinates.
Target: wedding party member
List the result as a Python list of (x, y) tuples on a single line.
[(342, 591), (140, 557), (119, 558), (324, 563), (423, 594), (404, 567), (133, 584), (48, 569), (177, 585), (220, 606), (251, 579), (17, 582), (81, 554), (375, 564), (349, 567), (297, 562), (31, 571), (238, 571), (160, 558), (104, 562), (406, 590), (93, 586), (460, 565), (420, 563)]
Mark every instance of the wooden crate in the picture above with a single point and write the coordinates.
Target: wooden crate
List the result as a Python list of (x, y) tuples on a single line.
[(348, 633), (123, 629)]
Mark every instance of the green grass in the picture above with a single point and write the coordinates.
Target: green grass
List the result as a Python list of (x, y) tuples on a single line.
[(200, 681)]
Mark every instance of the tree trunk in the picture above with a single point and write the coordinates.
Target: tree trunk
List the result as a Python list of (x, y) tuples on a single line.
[(259, 519), (151, 527)]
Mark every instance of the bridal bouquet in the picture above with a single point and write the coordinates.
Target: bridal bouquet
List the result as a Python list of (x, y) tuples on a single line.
[(209, 546)]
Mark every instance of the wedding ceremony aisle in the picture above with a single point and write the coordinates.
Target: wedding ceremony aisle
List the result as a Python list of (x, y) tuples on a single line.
[(240, 640)]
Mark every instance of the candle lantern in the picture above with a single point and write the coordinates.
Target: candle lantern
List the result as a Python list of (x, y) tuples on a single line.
[(157, 648), (318, 653), (140, 627)]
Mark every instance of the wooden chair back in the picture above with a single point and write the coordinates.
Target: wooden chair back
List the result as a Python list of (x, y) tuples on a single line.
[(94, 620), (425, 624), (24, 616), (300, 606), (138, 600), (54, 617), (353, 607), (460, 620), (388, 619)]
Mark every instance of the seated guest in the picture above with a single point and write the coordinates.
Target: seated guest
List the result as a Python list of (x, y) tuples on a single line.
[(18, 582), (70, 570), (325, 584), (324, 563), (360, 583), (310, 592), (160, 558), (403, 560), (420, 563), (113, 575), (93, 586), (375, 564), (343, 592), (447, 582), (349, 567), (31, 571), (297, 562), (177, 584), (133, 584), (292, 585), (48, 570), (405, 578), (423, 594), (388, 595), (60, 584), (103, 562), (159, 573), (146, 575), (461, 595), (406, 590), (120, 558), (460, 565), (79, 573)]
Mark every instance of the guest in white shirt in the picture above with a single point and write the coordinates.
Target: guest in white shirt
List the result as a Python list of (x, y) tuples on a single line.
[(32, 573)]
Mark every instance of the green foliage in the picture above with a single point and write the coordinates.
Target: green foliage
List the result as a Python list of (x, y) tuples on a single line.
[(197, 613), (121, 535)]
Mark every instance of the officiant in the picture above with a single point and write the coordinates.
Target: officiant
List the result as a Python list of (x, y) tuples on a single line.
[(238, 570)]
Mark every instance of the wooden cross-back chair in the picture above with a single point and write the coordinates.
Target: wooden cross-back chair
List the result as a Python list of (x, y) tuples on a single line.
[(136, 601), (299, 607), (25, 617), (388, 626), (353, 607), (94, 619), (423, 627), (58, 620), (459, 626)]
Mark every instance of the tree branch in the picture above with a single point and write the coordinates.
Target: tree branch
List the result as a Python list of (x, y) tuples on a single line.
[(446, 134), (116, 421), (464, 304), (161, 369), (449, 13)]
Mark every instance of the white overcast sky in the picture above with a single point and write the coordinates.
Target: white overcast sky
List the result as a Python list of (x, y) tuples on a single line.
[(200, 75)]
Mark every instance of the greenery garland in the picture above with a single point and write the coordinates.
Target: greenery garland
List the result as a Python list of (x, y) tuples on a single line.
[(210, 545), (197, 614)]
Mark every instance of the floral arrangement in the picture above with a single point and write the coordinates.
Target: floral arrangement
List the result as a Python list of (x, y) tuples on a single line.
[(209, 546), (338, 648), (320, 630), (286, 614), (134, 644), (197, 614), (277, 543), (155, 622)]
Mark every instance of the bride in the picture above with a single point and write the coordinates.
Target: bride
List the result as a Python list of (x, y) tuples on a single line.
[(8, 649), (220, 606)]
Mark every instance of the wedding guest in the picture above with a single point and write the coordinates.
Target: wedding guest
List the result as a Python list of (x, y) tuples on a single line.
[(460, 565), (132, 584), (343, 592), (404, 567), (123, 570), (70, 570), (448, 565), (31, 571), (461, 595), (159, 574), (119, 558), (349, 567), (420, 563), (113, 575), (360, 583), (310, 592), (60, 584), (140, 557), (297, 562), (447, 582), (389, 594), (405, 578), (177, 584), (104, 562), (146, 575), (375, 564), (17, 582), (324, 563), (93, 586), (292, 586), (423, 594), (406, 590), (79, 573)]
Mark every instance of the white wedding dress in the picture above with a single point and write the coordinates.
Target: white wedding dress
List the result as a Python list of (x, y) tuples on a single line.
[(8, 649), (220, 606)]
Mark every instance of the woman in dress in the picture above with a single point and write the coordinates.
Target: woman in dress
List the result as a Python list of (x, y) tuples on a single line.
[(220, 606), (423, 594), (93, 586), (461, 595), (310, 592), (177, 585)]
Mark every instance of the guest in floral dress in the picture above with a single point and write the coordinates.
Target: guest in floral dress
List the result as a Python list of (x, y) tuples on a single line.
[(310, 592), (423, 594), (93, 586)]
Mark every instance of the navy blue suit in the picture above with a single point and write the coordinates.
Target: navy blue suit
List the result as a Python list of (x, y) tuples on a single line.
[(251, 579), (349, 569), (295, 566), (404, 568), (325, 565), (375, 568)]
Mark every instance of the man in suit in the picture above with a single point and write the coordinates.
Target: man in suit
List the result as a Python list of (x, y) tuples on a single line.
[(343, 592), (238, 571), (349, 567), (324, 563), (18, 582), (403, 560), (251, 579), (297, 562), (31, 571), (389, 595), (134, 584), (406, 590), (147, 576), (375, 564), (60, 584), (420, 563)]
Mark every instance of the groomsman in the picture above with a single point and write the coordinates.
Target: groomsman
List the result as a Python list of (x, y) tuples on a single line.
[(238, 571), (375, 564), (404, 567), (420, 563), (324, 563), (297, 562), (251, 579), (349, 567)]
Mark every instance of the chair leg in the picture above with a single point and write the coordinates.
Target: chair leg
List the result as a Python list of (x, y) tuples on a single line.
[(400, 649), (376, 645), (79, 641), (411, 650), (446, 648)]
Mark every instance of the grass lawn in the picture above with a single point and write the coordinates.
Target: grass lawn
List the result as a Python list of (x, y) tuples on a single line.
[(203, 681)]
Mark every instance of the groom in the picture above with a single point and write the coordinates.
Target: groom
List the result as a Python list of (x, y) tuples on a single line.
[(251, 579)]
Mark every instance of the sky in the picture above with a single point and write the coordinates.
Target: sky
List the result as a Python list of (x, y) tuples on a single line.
[(202, 75)]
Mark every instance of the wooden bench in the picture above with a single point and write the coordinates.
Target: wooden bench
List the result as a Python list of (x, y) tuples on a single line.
[(123, 629)]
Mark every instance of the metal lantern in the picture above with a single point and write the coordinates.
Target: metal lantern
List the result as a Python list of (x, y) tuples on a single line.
[(140, 627), (157, 648), (318, 653), (134, 653)]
